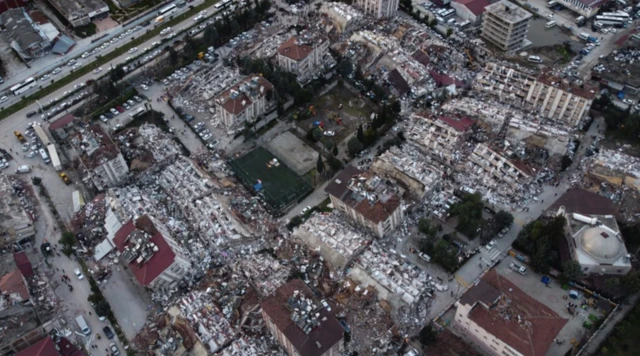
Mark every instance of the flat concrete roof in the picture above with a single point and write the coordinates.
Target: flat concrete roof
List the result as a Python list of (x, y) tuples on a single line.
[(508, 11)]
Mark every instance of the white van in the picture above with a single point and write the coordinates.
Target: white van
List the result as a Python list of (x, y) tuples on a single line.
[(44, 156), (24, 169), (535, 59), (83, 325)]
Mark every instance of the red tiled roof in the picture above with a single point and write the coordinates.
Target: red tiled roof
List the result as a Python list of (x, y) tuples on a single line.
[(234, 105), (61, 122), (422, 57), (161, 260), (475, 6), (44, 347), (23, 263), (543, 323), (120, 237), (320, 339), (13, 282), (237, 105), (68, 349), (459, 124), (580, 201), (444, 80), (293, 50)]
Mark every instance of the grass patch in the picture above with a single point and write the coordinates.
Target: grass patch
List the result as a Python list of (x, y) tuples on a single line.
[(100, 61)]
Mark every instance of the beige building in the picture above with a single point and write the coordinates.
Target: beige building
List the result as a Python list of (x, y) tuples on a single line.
[(439, 136), (367, 200), (244, 102), (378, 8), (586, 8), (301, 324), (156, 260), (505, 25), (496, 169), (303, 55), (101, 158), (552, 97)]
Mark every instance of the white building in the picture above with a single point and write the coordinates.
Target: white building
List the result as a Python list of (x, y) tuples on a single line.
[(303, 54), (378, 8), (244, 102), (470, 10), (586, 8), (100, 157), (505, 25)]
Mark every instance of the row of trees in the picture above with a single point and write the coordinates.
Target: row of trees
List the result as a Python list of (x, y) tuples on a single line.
[(620, 122), (387, 115)]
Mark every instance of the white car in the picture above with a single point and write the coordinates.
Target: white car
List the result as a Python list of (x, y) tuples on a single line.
[(307, 208), (329, 133), (114, 111), (56, 71), (133, 50), (628, 101), (103, 118), (32, 154), (85, 55), (97, 70), (424, 256), (3, 99), (76, 66), (78, 273), (550, 16), (144, 87), (491, 244), (325, 304), (25, 147)]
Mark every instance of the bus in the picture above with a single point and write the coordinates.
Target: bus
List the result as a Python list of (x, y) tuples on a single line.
[(552, 3), (611, 21), (167, 10), (222, 4), (619, 14), (24, 86)]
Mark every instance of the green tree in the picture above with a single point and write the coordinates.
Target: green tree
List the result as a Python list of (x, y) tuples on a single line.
[(102, 308), (335, 150), (68, 241), (449, 32), (503, 219), (335, 163), (36, 180), (210, 35), (354, 146), (173, 56), (427, 335), (320, 164), (360, 134), (426, 227), (630, 282), (571, 270), (317, 134), (294, 222)]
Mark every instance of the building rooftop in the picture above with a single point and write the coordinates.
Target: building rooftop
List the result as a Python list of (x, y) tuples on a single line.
[(237, 98), (368, 195), (21, 28), (44, 347), (517, 319), (75, 9), (627, 74), (15, 222), (397, 81), (311, 328), (475, 6), (582, 90), (508, 11), (61, 122), (460, 124), (576, 200), (301, 46), (96, 146), (23, 263), (13, 285), (145, 249), (482, 292)]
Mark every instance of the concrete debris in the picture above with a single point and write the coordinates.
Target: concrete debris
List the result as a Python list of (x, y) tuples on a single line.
[(147, 145), (17, 208)]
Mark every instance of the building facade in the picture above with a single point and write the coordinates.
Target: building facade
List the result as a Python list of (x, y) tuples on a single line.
[(366, 200), (496, 168), (470, 10), (303, 55), (25, 36), (505, 25), (439, 136), (554, 98), (586, 8), (101, 158), (378, 8), (80, 12), (244, 102)]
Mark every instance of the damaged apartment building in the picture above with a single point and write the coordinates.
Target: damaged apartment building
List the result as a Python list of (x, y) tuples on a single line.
[(552, 97), (496, 172), (367, 199), (244, 102), (304, 55), (344, 17), (99, 158), (16, 225)]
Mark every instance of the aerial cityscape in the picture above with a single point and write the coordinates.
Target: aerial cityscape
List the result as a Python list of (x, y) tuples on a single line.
[(319, 178)]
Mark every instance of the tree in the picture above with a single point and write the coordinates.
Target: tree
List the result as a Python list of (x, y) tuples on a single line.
[(316, 133), (335, 150), (335, 163), (117, 73), (425, 227), (571, 270), (503, 219), (68, 241), (320, 164), (449, 32), (427, 335), (102, 308), (354, 146), (36, 180), (173, 56), (295, 221), (210, 35), (360, 134)]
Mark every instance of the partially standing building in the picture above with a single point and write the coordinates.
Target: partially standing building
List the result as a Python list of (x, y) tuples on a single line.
[(505, 25), (25, 35), (470, 10), (80, 12), (586, 8), (100, 158), (244, 102), (378, 8), (303, 55)]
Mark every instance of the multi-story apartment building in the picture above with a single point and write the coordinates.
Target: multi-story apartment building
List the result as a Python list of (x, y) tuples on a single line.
[(24, 35), (100, 157), (81, 12), (378, 8), (367, 200), (505, 25), (496, 169), (439, 136), (153, 256), (552, 97), (301, 324), (244, 102), (303, 54), (586, 8)]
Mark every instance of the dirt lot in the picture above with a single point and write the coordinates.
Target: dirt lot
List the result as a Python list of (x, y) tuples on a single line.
[(340, 110), (449, 344)]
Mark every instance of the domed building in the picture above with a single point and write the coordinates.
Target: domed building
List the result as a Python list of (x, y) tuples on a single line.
[(595, 242)]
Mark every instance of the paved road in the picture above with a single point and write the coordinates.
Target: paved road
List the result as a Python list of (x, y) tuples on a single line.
[(84, 45)]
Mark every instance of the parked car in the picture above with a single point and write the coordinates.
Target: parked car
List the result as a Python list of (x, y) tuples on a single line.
[(32, 154), (144, 87), (108, 332), (137, 98), (188, 118), (131, 102), (3, 99), (114, 349), (31, 114), (126, 106), (114, 111), (103, 118), (120, 109), (491, 244), (304, 211), (78, 273), (329, 133)]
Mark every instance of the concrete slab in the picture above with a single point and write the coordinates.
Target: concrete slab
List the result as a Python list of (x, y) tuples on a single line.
[(128, 301), (295, 153)]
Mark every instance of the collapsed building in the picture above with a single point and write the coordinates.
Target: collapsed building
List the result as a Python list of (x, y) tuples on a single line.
[(496, 170), (368, 200), (378, 8), (344, 17), (440, 137), (146, 146), (409, 166), (100, 158), (552, 97), (336, 241), (18, 214)]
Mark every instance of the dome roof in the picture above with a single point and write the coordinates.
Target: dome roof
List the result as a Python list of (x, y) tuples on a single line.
[(601, 244)]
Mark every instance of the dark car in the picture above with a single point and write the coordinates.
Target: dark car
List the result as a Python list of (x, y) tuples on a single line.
[(108, 332), (108, 115), (188, 118), (32, 113), (120, 109)]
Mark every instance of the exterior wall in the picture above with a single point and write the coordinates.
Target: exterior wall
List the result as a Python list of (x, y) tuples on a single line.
[(465, 14), (497, 166), (505, 35), (250, 113), (307, 66), (440, 140), (173, 274), (11, 4), (110, 172), (335, 350), (378, 8), (378, 229), (382, 167), (558, 104), (579, 8), (22, 342), (490, 342)]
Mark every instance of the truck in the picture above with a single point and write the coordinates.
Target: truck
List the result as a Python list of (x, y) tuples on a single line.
[(19, 136), (24, 169), (64, 178), (520, 269), (583, 36), (55, 160), (41, 135)]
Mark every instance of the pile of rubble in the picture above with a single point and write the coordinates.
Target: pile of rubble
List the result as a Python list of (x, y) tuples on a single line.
[(147, 145)]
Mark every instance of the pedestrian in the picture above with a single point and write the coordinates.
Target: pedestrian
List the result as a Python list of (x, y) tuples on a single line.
[(89, 313)]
